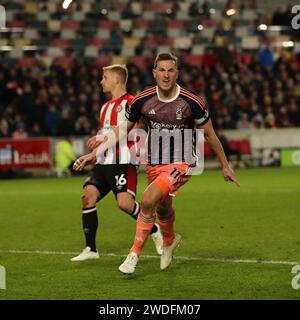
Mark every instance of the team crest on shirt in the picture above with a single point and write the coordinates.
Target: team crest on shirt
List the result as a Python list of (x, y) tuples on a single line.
[(178, 113), (119, 108)]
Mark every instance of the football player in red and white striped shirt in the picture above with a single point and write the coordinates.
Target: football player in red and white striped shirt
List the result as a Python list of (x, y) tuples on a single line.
[(119, 178)]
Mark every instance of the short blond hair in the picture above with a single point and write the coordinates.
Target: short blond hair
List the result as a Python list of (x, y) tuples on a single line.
[(119, 69)]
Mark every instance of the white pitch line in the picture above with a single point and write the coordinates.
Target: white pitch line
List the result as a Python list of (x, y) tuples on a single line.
[(184, 258)]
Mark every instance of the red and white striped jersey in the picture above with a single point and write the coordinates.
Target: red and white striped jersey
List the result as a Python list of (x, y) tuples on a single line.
[(112, 113)]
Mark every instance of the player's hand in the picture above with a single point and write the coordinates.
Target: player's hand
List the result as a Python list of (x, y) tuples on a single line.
[(93, 142), (81, 162), (229, 175)]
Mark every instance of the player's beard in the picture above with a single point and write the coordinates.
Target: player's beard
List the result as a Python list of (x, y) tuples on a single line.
[(167, 90)]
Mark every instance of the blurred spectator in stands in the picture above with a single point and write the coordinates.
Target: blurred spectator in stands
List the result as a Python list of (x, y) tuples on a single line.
[(35, 130), (193, 9), (4, 129), (40, 106), (26, 98), (83, 126), (128, 12), (266, 57), (294, 113), (66, 125), (19, 133), (243, 122), (225, 54), (283, 119), (115, 41), (52, 120), (270, 119)]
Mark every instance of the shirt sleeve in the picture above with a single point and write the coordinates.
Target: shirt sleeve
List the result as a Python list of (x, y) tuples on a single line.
[(133, 111), (200, 111)]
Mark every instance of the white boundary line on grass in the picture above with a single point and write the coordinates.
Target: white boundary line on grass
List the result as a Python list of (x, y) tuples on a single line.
[(184, 258)]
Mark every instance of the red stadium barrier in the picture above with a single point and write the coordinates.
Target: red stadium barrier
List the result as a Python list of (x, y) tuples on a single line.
[(241, 146), (25, 154)]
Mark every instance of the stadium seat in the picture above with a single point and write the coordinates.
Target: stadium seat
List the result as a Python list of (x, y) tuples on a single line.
[(16, 24), (71, 25), (102, 60), (194, 60), (120, 7), (51, 7), (96, 42), (28, 62), (141, 62), (208, 32), (61, 43), (20, 43), (148, 15), (68, 34), (184, 6), (131, 42), (250, 42), (31, 34), (182, 15), (64, 62), (54, 52), (175, 24), (139, 33), (54, 25), (128, 51), (125, 24), (160, 7), (136, 7), (114, 15), (106, 24), (31, 7), (198, 49), (46, 61), (78, 16), (175, 33), (86, 7), (43, 16), (103, 33), (141, 24), (119, 60), (16, 53), (182, 43)]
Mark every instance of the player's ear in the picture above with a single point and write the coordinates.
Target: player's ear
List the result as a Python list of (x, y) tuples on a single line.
[(154, 73), (116, 78)]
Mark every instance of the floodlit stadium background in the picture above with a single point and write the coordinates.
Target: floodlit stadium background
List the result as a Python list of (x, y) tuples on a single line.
[(244, 56)]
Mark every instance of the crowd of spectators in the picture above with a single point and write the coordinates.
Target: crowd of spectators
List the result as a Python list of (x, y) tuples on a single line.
[(261, 92), (55, 102)]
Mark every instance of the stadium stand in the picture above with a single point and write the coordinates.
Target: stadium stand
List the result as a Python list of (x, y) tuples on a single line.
[(244, 59)]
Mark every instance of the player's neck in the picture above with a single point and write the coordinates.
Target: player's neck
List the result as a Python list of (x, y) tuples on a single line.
[(118, 92), (168, 94)]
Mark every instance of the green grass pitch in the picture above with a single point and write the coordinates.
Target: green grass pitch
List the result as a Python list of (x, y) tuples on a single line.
[(237, 242)]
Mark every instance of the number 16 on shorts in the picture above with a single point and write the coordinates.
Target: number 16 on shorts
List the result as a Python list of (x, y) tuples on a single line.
[(2, 278)]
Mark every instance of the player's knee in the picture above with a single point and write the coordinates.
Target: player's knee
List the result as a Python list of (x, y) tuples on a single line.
[(125, 206), (88, 200), (147, 204)]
